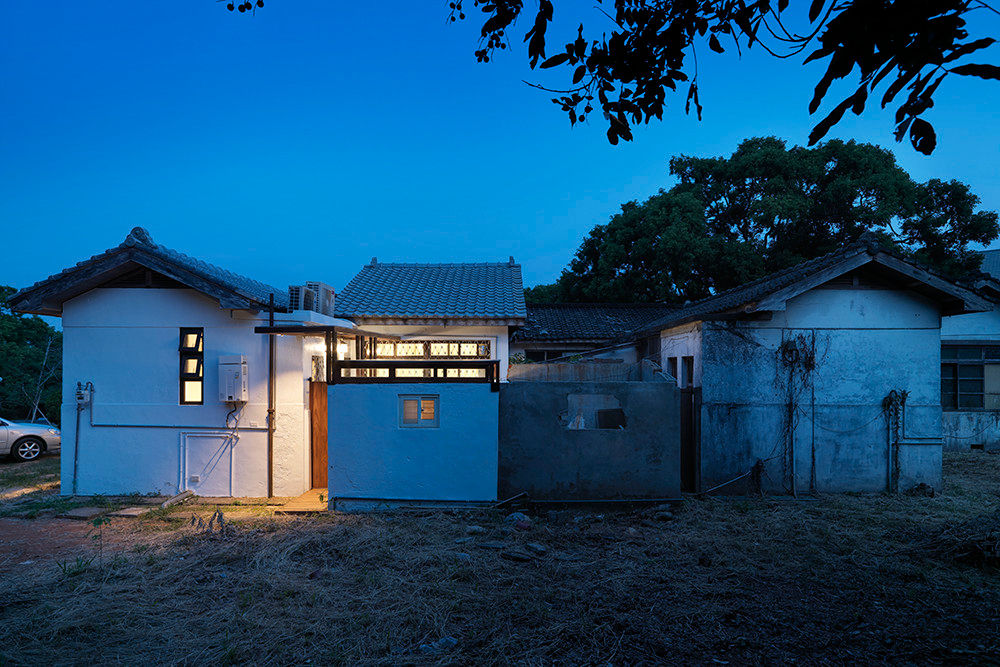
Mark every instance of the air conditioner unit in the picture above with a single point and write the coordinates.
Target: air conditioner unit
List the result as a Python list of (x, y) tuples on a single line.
[(300, 297), (324, 297)]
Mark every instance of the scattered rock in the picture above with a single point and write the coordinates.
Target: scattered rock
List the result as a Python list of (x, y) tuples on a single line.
[(314, 574), (492, 544), (536, 548), (463, 540), (131, 512), (519, 520), (475, 530), (922, 490), (84, 513), (664, 516), (462, 556), (516, 555), (439, 646)]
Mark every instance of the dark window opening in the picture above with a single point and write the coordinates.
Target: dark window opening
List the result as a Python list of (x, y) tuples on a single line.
[(970, 377)]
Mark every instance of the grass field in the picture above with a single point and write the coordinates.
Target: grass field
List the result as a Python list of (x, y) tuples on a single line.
[(832, 579)]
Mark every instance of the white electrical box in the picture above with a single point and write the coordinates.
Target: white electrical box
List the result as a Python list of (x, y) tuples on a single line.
[(233, 379)]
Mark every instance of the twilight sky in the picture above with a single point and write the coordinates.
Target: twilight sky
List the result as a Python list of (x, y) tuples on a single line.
[(296, 144)]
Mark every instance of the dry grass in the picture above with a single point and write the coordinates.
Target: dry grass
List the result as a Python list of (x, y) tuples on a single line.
[(829, 580)]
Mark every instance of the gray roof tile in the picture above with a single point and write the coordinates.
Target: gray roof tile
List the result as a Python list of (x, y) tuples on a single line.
[(597, 322), (139, 245), (434, 291)]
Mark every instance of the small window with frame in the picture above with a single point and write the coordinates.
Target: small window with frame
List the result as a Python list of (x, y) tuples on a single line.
[(192, 366), (418, 411)]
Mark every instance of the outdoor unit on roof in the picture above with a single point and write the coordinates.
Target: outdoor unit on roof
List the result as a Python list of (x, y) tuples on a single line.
[(324, 297), (301, 297)]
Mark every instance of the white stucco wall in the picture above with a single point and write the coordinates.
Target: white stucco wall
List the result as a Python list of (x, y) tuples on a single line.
[(498, 337), (682, 341), (372, 457), (867, 343), (136, 437)]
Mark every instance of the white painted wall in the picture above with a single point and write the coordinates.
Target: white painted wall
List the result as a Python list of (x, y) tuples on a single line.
[(498, 337), (136, 437), (372, 457), (682, 341)]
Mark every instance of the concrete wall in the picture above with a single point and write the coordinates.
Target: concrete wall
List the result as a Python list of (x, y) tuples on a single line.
[(136, 437), (866, 342), (372, 457), (966, 428), (541, 456)]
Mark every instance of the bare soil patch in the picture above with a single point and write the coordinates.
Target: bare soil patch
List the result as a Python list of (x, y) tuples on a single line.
[(835, 579)]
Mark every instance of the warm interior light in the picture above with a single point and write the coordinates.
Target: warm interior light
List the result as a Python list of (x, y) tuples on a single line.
[(342, 349)]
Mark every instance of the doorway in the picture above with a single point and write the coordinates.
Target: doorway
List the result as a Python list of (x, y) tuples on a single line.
[(318, 433), (690, 418)]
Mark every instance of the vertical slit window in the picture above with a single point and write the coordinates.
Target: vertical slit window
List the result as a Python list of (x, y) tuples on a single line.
[(192, 366)]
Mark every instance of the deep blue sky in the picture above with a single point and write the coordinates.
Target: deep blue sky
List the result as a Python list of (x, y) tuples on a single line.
[(297, 144)]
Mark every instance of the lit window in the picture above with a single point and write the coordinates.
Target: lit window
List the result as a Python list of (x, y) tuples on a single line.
[(409, 349), (192, 366), (418, 411)]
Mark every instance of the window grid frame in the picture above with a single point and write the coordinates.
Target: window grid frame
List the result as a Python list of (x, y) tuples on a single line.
[(420, 423), (188, 353)]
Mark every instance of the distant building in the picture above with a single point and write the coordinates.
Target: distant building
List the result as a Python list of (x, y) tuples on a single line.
[(970, 369), (555, 330)]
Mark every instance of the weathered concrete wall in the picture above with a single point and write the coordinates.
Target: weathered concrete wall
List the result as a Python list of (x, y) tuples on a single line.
[(964, 429), (866, 343), (372, 457), (541, 456), (136, 437)]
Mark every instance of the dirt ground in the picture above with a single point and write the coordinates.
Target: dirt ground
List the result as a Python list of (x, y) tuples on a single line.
[(825, 580)]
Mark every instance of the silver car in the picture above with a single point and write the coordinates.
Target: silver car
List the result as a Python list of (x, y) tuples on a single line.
[(26, 441)]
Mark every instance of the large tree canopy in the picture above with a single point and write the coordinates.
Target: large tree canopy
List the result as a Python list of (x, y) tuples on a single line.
[(649, 47), (30, 364), (733, 219)]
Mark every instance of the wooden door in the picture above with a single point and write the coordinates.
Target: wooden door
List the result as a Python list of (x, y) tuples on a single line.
[(690, 416), (317, 410)]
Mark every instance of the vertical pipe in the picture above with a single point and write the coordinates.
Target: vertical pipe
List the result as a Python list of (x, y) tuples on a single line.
[(76, 434), (812, 386), (270, 400)]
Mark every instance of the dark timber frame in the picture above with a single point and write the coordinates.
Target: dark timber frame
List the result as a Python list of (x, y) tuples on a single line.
[(368, 368)]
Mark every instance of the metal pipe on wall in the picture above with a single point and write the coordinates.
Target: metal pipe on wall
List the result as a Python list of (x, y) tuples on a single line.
[(270, 400)]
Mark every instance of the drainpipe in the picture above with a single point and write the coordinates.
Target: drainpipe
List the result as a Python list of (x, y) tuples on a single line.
[(270, 400), (76, 434)]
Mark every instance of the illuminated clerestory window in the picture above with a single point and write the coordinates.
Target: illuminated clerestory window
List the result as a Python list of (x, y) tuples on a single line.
[(192, 372)]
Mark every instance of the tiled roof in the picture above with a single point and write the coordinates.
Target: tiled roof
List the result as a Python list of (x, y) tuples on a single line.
[(139, 248), (592, 322), (753, 291), (991, 263), (434, 291)]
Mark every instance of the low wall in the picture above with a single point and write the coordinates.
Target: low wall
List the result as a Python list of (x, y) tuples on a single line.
[(592, 370), (371, 456), (548, 450), (963, 430)]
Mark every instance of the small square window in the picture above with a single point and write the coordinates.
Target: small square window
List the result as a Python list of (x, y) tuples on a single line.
[(418, 411)]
